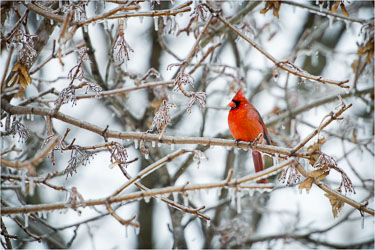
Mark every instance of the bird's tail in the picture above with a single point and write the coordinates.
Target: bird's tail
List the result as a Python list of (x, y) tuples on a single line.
[(258, 164)]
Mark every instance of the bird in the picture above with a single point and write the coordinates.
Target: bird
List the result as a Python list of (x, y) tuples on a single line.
[(245, 124)]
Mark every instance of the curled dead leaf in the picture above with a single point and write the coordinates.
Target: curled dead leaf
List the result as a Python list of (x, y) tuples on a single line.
[(336, 204), (313, 159), (22, 81), (13, 80), (16, 67), (20, 93), (156, 104), (319, 174), (322, 176), (367, 49), (336, 5), (316, 146), (20, 75), (25, 74), (306, 184), (343, 9), (315, 149), (274, 5)]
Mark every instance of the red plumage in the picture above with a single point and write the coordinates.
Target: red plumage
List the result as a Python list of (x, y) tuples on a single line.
[(245, 124)]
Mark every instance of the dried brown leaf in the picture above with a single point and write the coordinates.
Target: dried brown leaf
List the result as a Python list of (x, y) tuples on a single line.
[(20, 94), (306, 184), (274, 5), (275, 11), (20, 76), (15, 67), (13, 80), (313, 159), (156, 104), (321, 177), (318, 173), (316, 146), (335, 6), (315, 149), (25, 74), (343, 9), (336, 204), (23, 81), (367, 49)]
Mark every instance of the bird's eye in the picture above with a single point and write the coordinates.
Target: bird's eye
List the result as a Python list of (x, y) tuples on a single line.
[(237, 103)]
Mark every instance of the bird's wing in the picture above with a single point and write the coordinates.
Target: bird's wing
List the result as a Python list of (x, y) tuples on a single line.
[(265, 131)]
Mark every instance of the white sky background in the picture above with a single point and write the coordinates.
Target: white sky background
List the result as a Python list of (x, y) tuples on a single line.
[(97, 180)]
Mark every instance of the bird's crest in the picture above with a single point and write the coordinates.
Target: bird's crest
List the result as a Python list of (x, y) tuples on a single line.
[(240, 96)]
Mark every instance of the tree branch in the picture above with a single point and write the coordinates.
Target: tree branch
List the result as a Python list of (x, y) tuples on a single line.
[(339, 196), (30, 164), (285, 65), (142, 136), (325, 12), (129, 197), (319, 102)]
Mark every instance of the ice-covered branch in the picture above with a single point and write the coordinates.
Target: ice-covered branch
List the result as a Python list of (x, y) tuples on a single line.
[(285, 65), (323, 12), (156, 192), (338, 195), (332, 116), (142, 136), (317, 103), (33, 162), (150, 169)]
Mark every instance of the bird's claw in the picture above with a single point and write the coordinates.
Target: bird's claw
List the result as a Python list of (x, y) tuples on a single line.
[(256, 140)]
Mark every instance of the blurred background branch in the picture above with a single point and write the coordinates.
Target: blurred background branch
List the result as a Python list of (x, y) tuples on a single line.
[(120, 108)]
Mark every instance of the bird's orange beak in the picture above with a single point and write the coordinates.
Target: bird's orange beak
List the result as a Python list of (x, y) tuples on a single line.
[(232, 104)]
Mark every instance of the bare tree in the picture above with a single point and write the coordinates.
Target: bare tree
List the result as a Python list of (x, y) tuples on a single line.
[(113, 124)]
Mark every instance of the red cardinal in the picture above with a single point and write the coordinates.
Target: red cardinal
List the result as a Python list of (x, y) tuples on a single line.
[(245, 124)]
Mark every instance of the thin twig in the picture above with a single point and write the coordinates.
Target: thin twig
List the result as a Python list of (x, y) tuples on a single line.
[(6, 68), (325, 12), (4, 232), (156, 13), (150, 169), (107, 14), (119, 219), (190, 56), (285, 65), (168, 201), (337, 194), (209, 51), (126, 197), (333, 116), (147, 137), (122, 91), (319, 102), (37, 9), (30, 164)]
